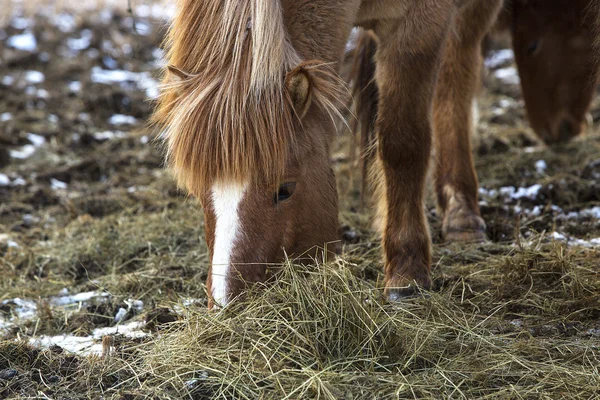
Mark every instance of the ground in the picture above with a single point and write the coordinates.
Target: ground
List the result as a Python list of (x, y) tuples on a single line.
[(103, 259)]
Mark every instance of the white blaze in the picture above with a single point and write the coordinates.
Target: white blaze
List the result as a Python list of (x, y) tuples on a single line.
[(226, 198)]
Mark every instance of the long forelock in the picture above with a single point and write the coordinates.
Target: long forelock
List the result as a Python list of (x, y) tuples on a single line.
[(230, 117)]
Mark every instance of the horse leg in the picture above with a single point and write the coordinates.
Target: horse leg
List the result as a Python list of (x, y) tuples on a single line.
[(407, 63), (455, 177)]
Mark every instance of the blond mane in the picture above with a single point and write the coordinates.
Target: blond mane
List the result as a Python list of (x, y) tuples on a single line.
[(229, 116)]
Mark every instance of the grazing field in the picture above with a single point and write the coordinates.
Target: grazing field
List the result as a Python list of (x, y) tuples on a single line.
[(103, 259)]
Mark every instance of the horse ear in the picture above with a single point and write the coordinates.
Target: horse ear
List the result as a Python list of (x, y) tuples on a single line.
[(176, 75), (300, 86)]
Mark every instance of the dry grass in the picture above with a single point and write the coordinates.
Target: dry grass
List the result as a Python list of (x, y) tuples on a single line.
[(320, 332)]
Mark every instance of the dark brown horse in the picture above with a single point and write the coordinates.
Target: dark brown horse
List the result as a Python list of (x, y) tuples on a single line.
[(553, 45)]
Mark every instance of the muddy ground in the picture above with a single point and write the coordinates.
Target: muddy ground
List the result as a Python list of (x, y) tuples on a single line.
[(97, 242)]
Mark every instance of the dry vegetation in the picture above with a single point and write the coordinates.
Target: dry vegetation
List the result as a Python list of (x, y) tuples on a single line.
[(517, 317)]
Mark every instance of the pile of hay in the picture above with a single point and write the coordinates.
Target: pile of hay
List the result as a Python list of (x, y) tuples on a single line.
[(323, 333)]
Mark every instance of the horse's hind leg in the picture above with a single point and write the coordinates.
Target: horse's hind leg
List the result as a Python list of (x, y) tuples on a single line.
[(455, 176), (407, 63)]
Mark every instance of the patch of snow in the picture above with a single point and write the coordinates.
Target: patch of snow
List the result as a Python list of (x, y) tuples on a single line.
[(144, 139), (120, 119), (30, 220), (191, 301), (8, 80), (143, 80), (498, 58), (18, 182), (24, 42), (530, 192), (85, 345), (588, 243), (36, 140), (23, 153), (34, 77), (497, 111), (106, 16), (92, 53), (42, 93), (487, 192), (142, 28), (137, 305), (508, 75), (593, 212), (107, 135), (21, 23), (156, 11), (575, 241), (108, 77), (5, 325), (541, 166), (558, 236), (22, 309), (75, 86), (76, 298), (64, 22), (191, 383), (517, 323), (56, 184), (593, 332), (538, 210), (120, 314), (159, 58), (5, 117), (502, 105), (130, 330), (4, 180), (81, 43)]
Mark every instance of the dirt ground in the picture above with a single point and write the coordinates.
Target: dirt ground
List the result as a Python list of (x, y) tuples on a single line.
[(103, 260)]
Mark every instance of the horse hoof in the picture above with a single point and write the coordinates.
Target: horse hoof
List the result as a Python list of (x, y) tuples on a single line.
[(400, 288), (464, 226), (404, 293), (466, 236)]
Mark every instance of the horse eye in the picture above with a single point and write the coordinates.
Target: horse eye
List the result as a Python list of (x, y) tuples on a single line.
[(284, 192), (533, 47)]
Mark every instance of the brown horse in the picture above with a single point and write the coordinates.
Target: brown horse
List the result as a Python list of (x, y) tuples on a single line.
[(557, 94), (553, 46), (247, 109)]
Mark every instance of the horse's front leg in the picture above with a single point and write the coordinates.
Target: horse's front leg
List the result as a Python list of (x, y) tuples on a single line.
[(408, 59), (455, 176)]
